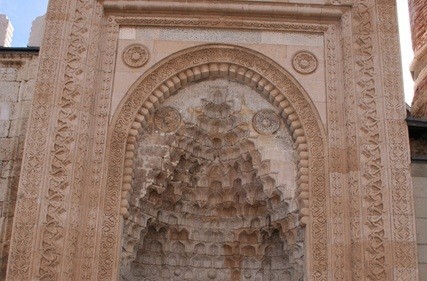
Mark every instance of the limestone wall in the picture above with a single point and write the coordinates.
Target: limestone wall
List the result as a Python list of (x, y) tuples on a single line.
[(17, 76)]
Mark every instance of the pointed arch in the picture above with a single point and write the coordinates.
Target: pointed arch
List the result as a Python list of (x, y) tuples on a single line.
[(242, 65)]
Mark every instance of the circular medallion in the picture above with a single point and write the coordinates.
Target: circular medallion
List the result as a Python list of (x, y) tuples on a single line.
[(136, 55), (167, 119), (304, 62), (266, 122)]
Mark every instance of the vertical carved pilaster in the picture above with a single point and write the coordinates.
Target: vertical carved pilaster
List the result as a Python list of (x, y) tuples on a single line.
[(387, 213), (375, 239), (352, 150), (52, 179), (397, 149), (70, 139), (94, 180), (338, 173), (89, 15), (25, 226)]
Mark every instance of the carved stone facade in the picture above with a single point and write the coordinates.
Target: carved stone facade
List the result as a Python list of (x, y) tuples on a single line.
[(242, 140)]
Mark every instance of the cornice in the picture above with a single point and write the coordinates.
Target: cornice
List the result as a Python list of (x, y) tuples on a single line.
[(16, 56), (241, 9)]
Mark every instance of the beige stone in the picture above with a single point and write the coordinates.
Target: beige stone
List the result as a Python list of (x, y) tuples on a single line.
[(222, 157), (423, 269), (4, 128), (422, 254), (10, 91), (6, 149), (418, 171), (420, 206), (420, 187), (422, 229)]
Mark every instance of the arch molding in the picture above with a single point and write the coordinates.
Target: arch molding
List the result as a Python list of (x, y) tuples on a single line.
[(239, 64)]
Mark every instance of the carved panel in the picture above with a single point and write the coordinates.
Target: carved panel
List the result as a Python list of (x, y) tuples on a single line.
[(221, 22), (69, 145), (352, 150), (136, 55), (266, 122), (94, 180), (304, 62), (367, 66), (27, 206), (167, 119), (219, 61), (397, 148), (338, 158)]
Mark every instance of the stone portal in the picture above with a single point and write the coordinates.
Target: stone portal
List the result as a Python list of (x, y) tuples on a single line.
[(213, 191)]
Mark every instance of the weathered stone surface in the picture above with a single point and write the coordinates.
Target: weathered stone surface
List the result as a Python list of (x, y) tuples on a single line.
[(16, 88), (209, 193), (418, 16), (220, 192)]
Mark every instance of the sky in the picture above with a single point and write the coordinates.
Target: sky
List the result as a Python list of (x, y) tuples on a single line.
[(22, 12)]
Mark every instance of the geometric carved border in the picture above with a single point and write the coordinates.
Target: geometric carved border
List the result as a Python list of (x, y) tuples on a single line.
[(245, 66), (361, 67)]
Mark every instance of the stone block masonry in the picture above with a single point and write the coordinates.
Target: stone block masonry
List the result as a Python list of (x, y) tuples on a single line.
[(17, 75)]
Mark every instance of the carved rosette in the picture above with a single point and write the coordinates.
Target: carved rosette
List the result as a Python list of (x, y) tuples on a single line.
[(167, 119), (304, 62), (266, 122), (136, 55)]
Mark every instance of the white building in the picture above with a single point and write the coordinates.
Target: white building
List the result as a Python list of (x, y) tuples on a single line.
[(6, 31)]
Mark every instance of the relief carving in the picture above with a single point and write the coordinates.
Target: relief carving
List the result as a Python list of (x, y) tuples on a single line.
[(365, 140), (403, 223), (29, 193), (93, 182), (370, 145), (221, 22), (266, 122), (221, 61), (136, 55), (212, 207), (167, 119), (304, 62)]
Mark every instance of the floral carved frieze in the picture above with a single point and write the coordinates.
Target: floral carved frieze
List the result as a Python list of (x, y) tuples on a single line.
[(266, 122), (136, 55), (221, 22), (304, 62)]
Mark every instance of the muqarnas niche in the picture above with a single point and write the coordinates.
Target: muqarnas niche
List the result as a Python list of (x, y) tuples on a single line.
[(213, 198)]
